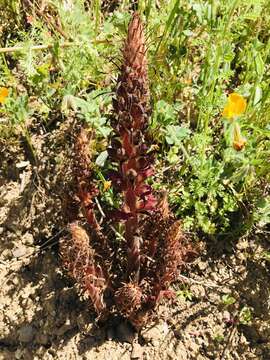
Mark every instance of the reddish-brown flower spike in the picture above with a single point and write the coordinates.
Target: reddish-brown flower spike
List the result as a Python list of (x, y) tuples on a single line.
[(134, 51), (133, 87), (129, 145), (79, 259)]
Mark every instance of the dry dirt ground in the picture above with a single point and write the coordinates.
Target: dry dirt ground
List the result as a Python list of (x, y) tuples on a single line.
[(44, 316)]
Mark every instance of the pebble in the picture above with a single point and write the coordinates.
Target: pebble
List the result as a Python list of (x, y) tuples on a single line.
[(156, 333), (226, 315), (28, 238), (18, 354), (19, 251), (202, 265), (15, 280), (22, 164)]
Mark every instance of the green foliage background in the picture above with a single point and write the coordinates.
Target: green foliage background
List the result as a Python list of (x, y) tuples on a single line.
[(199, 51)]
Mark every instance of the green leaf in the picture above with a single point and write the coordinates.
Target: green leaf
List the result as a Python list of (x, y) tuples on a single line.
[(257, 95), (228, 299), (259, 64), (266, 255), (102, 157), (175, 134), (173, 155), (245, 315)]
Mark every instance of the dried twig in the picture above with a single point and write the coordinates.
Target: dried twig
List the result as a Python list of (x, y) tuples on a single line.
[(210, 285), (48, 46), (35, 47)]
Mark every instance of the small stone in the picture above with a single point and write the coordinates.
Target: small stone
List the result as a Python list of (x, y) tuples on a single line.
[(226, 315), (15, 281), (22, 164), (28, 238), (19, 251), (202, 265), (137, 351), (156, 333), (125, 333), (26, 333), (18, 354)]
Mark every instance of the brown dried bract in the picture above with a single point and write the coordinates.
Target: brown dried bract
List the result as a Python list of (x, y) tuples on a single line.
[(79, 259), (86, 189)]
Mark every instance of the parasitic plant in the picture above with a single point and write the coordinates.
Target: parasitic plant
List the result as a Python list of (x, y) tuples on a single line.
[(128, 276), (129, 146)]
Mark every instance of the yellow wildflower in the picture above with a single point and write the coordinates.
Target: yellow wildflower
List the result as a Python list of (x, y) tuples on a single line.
[(235, 106), (107, 185), (239, 141), (3, 94)]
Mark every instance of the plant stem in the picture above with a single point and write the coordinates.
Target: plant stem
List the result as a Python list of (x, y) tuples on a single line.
[(35, 47)]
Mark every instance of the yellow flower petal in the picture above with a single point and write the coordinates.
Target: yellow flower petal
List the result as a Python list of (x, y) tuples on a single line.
[(239, 141), (226, 112), (107, 185), (3, 94), (238, 102), (235, 106)]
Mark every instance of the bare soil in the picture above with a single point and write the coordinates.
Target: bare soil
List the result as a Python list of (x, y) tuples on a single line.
[(44, 316)]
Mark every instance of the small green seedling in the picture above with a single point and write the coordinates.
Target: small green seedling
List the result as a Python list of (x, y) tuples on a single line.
[(228, 300), (185, 294), (245, 316)]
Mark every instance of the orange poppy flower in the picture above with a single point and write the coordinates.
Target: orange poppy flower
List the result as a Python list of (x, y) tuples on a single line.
[(239, 141), (3, 94), (235, 106)]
